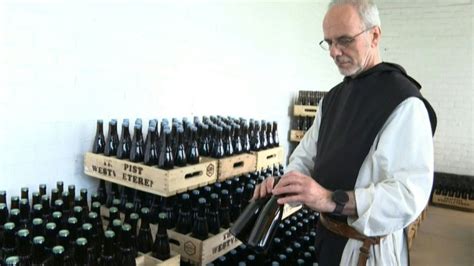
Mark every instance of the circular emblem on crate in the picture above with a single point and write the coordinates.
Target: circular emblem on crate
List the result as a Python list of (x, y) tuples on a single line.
[(189, 248), (210, 170)]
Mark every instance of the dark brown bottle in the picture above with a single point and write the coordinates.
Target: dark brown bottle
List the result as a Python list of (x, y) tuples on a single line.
[(224, 209), (73, 228), (236, 141), (108, 257), (58, 253), (180, 156), (136, 150), (64, 240), (166, 159), (125, 143), (126, 255), (227, 141), (81, 256), (243, 226), (24, 213), (245, 138), (24, 247), (38, 251), (151, 150), (276, 140), (144, 239), (263, 135), (112, 140), (204, 145), (193, 150), (213, 219), (236, 206), (134, 217), (99, 139), (184, 223), (60, 187), (9, 244), (254, 131), (218, 146), (3, 196), (161, 246), (200, 227), (14, 202)]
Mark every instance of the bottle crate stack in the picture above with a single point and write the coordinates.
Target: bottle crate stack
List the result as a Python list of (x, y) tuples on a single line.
[(304, 111), (228, 154), (453, 191)]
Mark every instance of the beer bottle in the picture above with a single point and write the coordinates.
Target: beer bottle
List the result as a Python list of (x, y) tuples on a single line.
[(263, 135), (236, 141), (24, 247), (35, 198), (9, 244), (64, 240), (24, 213), (12, 261), (42, 189), (136, 150), (94, 219), (15, 218), (125, 143), (107, 257), (81, 255), (227, 141), (92, 247), (59, 256), (151, 151), (254, 129), (193, 150), (134, 224), (50, 237), (200, 227), (60, 187), (236, 206), (99, 139), (112, 140), (161, 246), (3, 197), (213, 215), (46, 207), (73, 228), (166, 160), (270, 140), (204, 143), (242, 227), (184, 223), (245, 138), (83, 193), (247, 194), (144, 239), (38, 251), (224, 210), (14, 202), (127, 255), (218, 147), (180, 158)]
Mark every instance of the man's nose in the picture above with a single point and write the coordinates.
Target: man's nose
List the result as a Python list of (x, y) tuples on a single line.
[(334, 50)]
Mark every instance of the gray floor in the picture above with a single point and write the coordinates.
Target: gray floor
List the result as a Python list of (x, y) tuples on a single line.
[(445, 237)]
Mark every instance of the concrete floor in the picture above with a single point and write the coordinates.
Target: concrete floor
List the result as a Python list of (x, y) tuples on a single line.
[(445, 237)]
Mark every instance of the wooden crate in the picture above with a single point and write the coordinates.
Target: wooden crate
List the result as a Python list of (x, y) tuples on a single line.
[(148, 260), (304, 110), (202, 251), (453, 202), (150, 178), (235, 165), (269, 157), (297, 135)]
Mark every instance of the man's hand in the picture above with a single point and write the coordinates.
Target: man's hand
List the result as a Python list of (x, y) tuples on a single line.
[(295, 187), (264, 189)]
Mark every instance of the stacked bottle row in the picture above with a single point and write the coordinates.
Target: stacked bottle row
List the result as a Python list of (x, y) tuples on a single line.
[(183, 142), (455, 186), (200, 212), (302, 122), (293, 244), (309, 97), (61, 229)]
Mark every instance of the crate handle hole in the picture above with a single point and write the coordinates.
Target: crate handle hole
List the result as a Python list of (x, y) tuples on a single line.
[(174, 242), (238, 164), (193, 174), (310, 110), (271, 156)]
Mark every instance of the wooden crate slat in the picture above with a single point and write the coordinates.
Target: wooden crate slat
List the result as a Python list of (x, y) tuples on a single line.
[(236, 165), (150, 178), (269, 157), (453, 202), (297, 135), (305, 110), (202, 251), (148, 260)]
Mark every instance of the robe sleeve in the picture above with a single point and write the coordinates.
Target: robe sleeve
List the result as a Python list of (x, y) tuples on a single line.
[(303, 157), (401, 162)]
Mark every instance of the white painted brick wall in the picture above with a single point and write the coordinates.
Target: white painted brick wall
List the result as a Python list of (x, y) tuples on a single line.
[(433, 40)]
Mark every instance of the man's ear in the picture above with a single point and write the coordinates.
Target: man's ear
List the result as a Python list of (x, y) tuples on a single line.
[(376, 33)]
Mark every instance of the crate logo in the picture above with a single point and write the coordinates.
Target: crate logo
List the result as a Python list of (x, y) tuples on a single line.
[(210, 170), (189, 248), (227, 241)]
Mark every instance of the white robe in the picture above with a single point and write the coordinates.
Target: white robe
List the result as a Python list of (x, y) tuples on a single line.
[(393, 185)]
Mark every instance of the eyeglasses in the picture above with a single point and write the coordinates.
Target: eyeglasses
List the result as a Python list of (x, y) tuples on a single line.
[(341, 42)]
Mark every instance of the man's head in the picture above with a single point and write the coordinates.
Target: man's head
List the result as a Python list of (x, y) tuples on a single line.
[(352, 34)]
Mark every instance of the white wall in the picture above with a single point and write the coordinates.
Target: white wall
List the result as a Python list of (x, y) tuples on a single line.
[(433, 40), (67, 63)]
